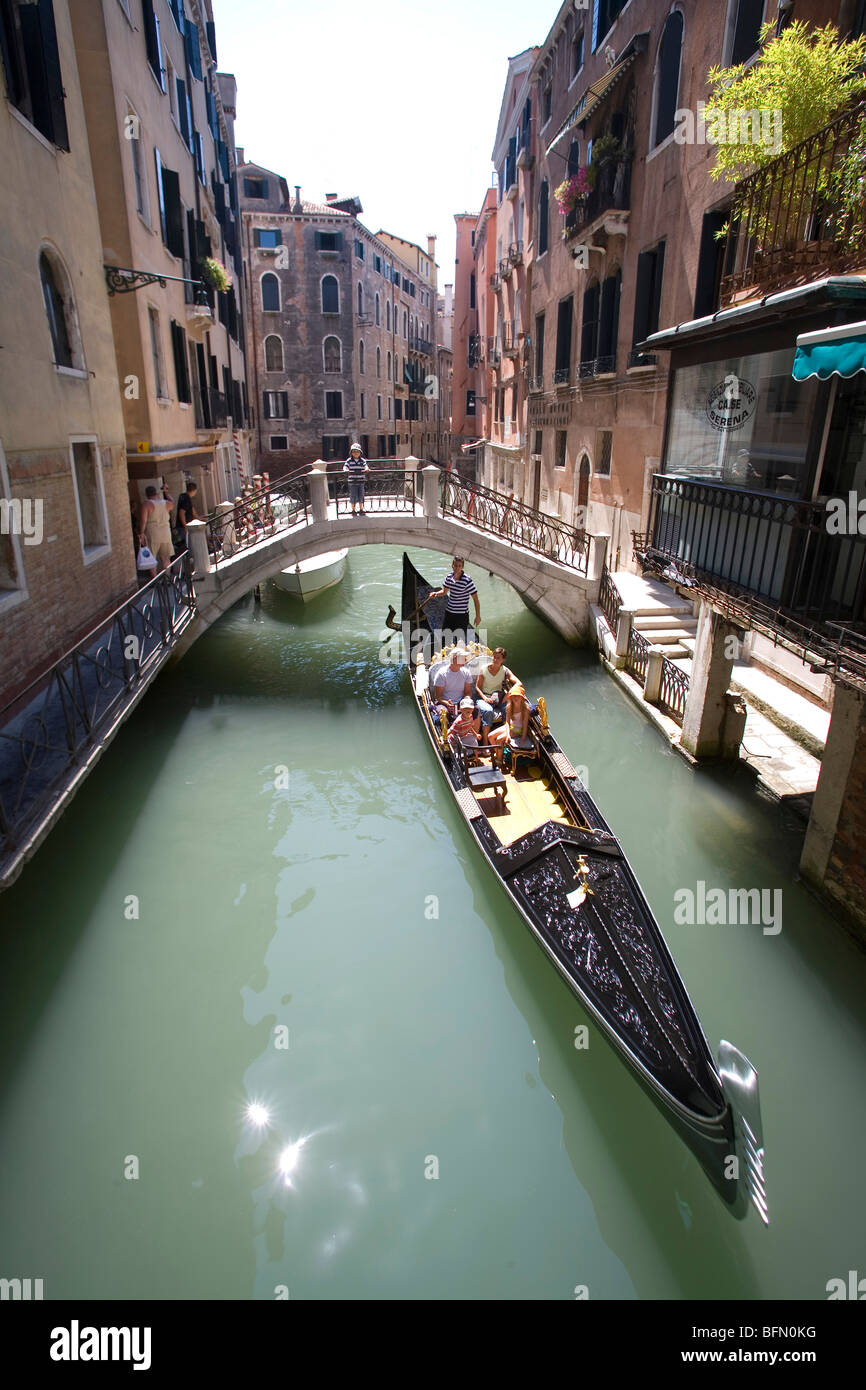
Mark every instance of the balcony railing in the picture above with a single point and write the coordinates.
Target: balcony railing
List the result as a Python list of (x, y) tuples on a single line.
[(515, 252), (505, 269), (509, 339), (612, 193), (419, 344), (778, 550), (597, 366), (562, 376), (495, 283), (536, 383), (642, 359), (786, 225)]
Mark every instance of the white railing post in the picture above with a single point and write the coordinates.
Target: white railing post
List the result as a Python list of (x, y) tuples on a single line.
[(623, 633), (431, 490), (596, 558), (654, 670), (318, 476), (197, 540)]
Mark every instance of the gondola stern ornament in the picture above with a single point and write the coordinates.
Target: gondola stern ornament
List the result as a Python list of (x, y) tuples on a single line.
[(740, 1085)]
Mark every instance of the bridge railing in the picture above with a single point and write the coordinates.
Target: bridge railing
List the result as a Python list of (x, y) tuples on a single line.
[(256, 514), (500, 514), (48, 732), (385, 490)]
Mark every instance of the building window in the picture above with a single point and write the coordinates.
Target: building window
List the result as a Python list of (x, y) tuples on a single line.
[(379, 362), (388, 315), (389, 366), (170, 207), (133, 130), (156, 356), (363, 405), (333, 354), (181, 365), (744, 27), (711, 262), (153, 41), (359, 249), (668, 76), (360, 299), (561, 449), (543, 216), (648, 292), (378, 407), (267, 237), (608, 329), (329, 241), (330, 295), (539, 346), (604, 14), (378, 313), (334, 405), (89, 496), (546, 104), (564, 317), (270, 293), (279, 443), (361, 358), (577, 54), (276, 405), (470, 402), (334, 446), (406, 321), (604, 450), (255, 188), (273, 353), (60, 311)]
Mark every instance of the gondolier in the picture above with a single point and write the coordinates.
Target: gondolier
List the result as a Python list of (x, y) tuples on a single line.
[(457, 591)]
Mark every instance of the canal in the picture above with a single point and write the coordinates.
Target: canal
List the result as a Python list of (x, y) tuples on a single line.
[(264, 897)]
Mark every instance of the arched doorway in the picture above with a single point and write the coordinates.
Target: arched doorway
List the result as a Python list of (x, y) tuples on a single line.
[(581, 504)]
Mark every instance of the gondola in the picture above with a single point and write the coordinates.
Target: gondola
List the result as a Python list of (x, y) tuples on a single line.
[(570, 881)]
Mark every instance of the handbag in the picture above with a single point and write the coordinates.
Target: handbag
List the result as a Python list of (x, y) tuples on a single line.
[(145, 559)]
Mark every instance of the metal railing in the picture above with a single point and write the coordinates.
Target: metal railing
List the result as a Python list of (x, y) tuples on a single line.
[(612, 193), (536, 383), (787, 224), (49, 731), (509, 337), (257, 514), (674, 690), (495, 283), (515, 252), (505, 269), (502, 515), (609, 599), (387, 489), (637, 655), (596, 366), (642, 359), (776, 548), (562, 376)]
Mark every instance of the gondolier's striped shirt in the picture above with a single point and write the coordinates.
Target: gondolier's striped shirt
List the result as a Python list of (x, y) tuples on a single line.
[(458, 593)]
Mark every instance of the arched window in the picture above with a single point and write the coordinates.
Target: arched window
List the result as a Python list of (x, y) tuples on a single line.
[(330, 295), (333, 353), (270, 293), (60, 310), (668, 76), (388, 314), (389, 366), (378, 314), (378, 361), (361, 356), (405, 324), (360, 299), (273, 353)]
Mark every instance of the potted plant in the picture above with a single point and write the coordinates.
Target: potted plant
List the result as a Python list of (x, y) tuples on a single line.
[(606, 150), (574, 190), (215, 274)]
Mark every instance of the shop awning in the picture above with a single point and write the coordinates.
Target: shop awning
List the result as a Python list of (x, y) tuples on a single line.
[(839, 351), (600, 89)]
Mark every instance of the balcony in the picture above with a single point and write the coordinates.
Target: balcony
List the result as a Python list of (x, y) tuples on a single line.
[(515, 252), (495, 283), (562, 376), (210, 409), (771, 550), (493, 356), (510, 336), (505, 269), (419, 344), (641, 359), (524, 154), (786, 227), (608, 200), (535, 384), (597, 367)]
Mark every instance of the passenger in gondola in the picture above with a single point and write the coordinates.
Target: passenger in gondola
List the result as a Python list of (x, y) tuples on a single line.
[(515, 731), (453, 684), (467, 725), (491, 688)]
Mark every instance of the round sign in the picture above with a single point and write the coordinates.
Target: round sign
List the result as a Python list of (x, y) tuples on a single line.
[(731, 404)]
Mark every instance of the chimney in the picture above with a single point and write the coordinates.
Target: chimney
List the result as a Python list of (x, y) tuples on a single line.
[(298, 207), (431, 247), (331, 197), (239, 152)]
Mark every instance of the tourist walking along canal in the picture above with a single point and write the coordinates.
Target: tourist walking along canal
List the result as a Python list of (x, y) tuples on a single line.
[(270, 1023)]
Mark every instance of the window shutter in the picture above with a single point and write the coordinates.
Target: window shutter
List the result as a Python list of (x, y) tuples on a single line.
[(257, 236), (183, 111), (211, 39), (160, 193), (43, 61), (173, 211), (193, 52), (658, 276), (181, 371), (152, 40), (643, 292)]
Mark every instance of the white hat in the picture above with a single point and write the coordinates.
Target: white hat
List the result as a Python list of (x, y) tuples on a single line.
[(466, 703), (460, 653), (354, 447)]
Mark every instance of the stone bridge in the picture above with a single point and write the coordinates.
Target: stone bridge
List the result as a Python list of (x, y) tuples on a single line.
[(558, 592)]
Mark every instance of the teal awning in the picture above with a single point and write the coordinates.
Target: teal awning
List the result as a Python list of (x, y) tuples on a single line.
[(839, 351)]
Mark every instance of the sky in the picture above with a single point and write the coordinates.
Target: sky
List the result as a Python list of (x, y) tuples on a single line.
[(396, 103)]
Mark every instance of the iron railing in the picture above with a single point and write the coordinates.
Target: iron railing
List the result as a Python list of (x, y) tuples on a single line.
[(385, 490), (536, 383), (509, 337), (257, 514), (637, 655), (49, 731), (775, 548), (612, 193), (674, 690), (787, 223), (495, 283), (515, 252), (505, 269), (502, 515), (642, 359), (596, 366), (609, 599), (562, 376)]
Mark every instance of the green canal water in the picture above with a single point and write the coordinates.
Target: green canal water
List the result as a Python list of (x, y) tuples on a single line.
[(299, 909)]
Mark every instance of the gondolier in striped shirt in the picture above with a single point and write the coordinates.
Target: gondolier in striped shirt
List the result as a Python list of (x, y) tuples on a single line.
[(457, 591), (357, 468)]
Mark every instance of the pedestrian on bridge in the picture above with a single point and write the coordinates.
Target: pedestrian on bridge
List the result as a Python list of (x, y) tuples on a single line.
[(357, 468)]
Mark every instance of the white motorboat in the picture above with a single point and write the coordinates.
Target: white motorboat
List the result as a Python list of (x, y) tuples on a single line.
[(312, 577)]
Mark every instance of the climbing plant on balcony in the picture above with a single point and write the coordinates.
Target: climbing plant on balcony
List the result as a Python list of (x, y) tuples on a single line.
[(215, 274), (800, 81)]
